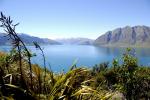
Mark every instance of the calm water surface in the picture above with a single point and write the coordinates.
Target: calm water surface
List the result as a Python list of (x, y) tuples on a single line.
[(60, 57)]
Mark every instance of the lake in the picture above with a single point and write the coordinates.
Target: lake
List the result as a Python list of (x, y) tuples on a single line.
[(61, 57)]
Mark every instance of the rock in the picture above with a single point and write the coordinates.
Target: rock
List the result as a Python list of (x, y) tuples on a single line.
[(118, 96)]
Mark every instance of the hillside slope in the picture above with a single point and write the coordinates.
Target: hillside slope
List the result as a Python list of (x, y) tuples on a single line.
[(126, 36)]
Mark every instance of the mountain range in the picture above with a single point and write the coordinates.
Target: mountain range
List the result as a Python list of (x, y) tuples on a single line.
[(27, 39), (76, 41), (137, 36)]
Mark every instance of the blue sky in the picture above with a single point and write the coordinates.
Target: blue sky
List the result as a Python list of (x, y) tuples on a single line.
[(75, 18)]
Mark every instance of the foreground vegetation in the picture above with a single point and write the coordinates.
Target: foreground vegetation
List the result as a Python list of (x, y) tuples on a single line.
[(100, 82), (21, 80)]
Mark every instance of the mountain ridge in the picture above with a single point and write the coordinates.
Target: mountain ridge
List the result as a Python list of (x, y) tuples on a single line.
[(27, 39), (76, 41), (136, 36)]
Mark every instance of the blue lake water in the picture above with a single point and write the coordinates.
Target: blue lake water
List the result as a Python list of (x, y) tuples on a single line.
[(61, 57)]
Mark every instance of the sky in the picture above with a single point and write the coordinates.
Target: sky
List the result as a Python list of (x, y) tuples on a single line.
[(75, 18)]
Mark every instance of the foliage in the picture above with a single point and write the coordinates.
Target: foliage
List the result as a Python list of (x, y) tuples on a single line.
[(128, 78)]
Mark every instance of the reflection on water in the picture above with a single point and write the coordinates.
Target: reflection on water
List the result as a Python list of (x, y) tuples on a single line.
[(62, 56)]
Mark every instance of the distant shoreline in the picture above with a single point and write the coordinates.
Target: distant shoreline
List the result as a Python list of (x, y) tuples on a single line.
[(123, 46)]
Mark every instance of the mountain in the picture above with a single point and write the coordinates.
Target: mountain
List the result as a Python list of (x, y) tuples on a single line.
[(27, 39), (76, 41), (127, 36)]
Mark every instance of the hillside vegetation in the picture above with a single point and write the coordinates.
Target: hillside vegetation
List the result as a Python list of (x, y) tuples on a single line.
[(99, 83), (21, 80)]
